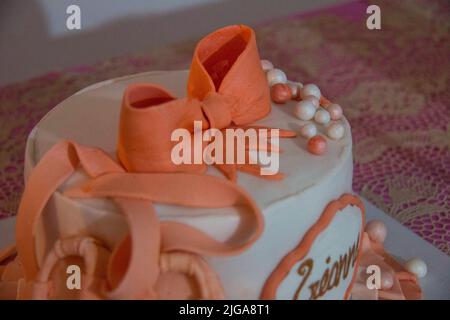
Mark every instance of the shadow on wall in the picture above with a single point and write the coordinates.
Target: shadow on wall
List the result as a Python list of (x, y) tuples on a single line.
[(27, 48)]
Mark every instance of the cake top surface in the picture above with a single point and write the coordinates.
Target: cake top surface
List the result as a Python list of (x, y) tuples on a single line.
[(91, 117)]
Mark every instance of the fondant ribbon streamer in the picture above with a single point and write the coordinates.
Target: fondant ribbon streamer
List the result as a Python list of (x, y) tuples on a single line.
[(134, 194)]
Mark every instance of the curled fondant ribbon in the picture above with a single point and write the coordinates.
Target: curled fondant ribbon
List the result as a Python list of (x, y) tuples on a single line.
[(134, 193), (226, 87), (403, 284)]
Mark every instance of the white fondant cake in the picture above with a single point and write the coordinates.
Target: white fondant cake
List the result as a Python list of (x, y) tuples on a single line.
[(291, 207)]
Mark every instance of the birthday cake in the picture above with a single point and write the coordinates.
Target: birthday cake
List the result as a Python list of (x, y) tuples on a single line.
[(128, 185)]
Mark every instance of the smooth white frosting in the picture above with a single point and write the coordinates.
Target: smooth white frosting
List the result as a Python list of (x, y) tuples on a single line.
[(290, 206)]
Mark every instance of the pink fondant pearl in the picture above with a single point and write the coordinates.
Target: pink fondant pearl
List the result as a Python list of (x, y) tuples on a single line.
[(280, 93), (376, 230), (317, 145), (335, 111), (387, 280)]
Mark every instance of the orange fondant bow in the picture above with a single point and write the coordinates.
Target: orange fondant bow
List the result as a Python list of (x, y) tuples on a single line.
[(226, 86)]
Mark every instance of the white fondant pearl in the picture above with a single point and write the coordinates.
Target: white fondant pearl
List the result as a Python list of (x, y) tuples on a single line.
[(335, 111), (417, 266), (314, 100), (336, 131), (295, 88), (387, 280), (266, 65), (310, 90), (309, 130), (304, 110), (276, 76), (322, 116), (376, 230)]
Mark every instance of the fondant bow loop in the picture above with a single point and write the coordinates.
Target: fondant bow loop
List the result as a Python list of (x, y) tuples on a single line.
[(226, 86), (227, 62), (149, 116)]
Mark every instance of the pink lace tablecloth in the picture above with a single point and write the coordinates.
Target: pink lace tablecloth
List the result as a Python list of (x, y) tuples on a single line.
[(393, 83)]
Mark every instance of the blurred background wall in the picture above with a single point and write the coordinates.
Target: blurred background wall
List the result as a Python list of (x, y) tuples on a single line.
[(34, 38)]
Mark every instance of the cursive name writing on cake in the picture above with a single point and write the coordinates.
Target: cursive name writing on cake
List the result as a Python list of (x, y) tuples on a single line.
[(331, 277)]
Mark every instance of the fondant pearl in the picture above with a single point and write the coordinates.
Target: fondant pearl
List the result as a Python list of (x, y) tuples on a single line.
[(308, 130), (335, 111), (314, 100), (310, 90), (387, 280), (417, 266), (266, 65), (304, 110), (295, 89), (322, 116), (376, 230), (317, 145), (280, 93), (300, 86), (276, 76), (336, 131)]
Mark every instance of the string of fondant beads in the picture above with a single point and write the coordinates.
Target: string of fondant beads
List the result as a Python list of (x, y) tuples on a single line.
[(311, 105)]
